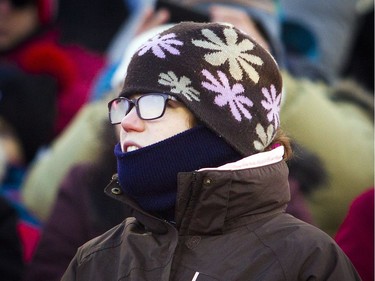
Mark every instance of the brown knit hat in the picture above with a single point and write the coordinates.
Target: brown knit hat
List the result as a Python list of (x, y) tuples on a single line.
[(228, 81)]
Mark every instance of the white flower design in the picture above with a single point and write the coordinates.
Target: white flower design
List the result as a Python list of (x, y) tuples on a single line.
[(160, 44), (272, 104), (179, 85), (228, 95), (237, 54), (265, 137)]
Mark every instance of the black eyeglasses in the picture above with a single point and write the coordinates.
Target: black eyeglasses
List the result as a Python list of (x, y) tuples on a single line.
[(149, 107)]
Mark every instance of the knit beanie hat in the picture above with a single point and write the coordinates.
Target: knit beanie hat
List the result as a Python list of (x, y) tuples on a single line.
[(228, 81)]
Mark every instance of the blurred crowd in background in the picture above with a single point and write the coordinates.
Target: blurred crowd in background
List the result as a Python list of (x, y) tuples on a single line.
[(62, 61)]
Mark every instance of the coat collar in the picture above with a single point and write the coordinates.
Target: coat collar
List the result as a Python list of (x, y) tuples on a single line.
[(132, 209), (253, 161), (214, 200)]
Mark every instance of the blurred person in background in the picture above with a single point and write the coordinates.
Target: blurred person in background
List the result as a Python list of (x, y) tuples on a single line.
[(30, 44), (92, 23), (324, 36), (43, 84), (80, 204)]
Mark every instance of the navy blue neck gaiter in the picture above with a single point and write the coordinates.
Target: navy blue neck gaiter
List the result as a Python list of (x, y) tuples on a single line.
[(149, 175)]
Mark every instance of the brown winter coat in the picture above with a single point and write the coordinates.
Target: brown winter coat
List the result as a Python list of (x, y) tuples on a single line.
[(230, 225)]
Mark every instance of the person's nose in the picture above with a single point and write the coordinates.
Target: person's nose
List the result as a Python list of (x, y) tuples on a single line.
[(132, 122)]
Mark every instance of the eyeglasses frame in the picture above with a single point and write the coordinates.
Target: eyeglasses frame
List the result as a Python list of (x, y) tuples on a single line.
[(134, 103)]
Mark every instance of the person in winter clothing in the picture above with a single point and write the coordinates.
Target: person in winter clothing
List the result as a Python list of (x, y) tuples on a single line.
[(322, 107), (330, 113), (201, 170), (356, 234), (81, 204), (30, 46), (80, 201), (334, 109), (43, 83)]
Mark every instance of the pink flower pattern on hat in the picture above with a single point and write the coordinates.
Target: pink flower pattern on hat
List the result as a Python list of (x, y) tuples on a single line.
[(158, 44), (228, 95), (227, 80), (272, 104)]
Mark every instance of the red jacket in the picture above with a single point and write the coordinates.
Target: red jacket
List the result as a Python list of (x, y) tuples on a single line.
[(356, 234)]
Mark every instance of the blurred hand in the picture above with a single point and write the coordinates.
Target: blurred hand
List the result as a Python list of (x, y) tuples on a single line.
[(239, 19)]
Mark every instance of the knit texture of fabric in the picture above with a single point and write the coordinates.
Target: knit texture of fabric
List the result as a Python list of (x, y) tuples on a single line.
[(227, 80)]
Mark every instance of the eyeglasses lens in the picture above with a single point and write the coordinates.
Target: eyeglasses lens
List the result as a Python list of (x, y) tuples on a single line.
[(151, 106), (119, 108)]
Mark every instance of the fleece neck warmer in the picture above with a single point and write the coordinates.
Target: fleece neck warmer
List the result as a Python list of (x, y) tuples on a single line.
[(149, 175)]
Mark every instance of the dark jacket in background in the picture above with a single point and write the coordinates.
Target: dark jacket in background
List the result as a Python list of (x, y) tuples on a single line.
[(81, 213), (11, 259)]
